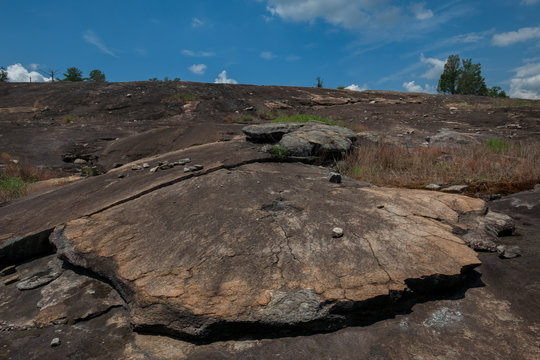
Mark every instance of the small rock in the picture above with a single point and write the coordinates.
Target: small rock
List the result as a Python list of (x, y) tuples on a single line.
[(129, 95), (373, 102), (184, 161), (508, 252), (14, 161), (8, 270), (337, 232), (136, 167), (11, 280), (452, 108), (187, 169), (146, 165), (455, 188), (433, 187), (79, 161), (165, 166), (513, 126), (536, 188), (334, 177), (55, 342), (121, 176), (197, 167), (154, 169)]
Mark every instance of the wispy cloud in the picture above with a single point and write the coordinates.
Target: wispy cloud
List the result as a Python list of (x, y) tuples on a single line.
[(93, 39), (530, 2), (192, 53), (196, 23), (293, 58), (267, 55), (512, 37), (420, 12), (223, 79), (198, 69), (437, 67)]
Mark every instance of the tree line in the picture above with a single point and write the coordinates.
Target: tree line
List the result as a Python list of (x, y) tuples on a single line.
[(71, 74), (465, 78)]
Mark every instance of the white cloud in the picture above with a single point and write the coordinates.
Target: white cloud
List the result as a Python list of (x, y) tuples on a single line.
[(338, 12), (437, 67), (412, 87), (530, 2), (268, 55), (93, 39), (512, 37), (18, 73), (420, 13), (197, 23), (355, 87), (192, 53), (222, 79), (198, 69), (526, 82)]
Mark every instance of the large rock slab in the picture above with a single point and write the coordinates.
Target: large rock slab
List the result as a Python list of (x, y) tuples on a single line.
[(26, 223), (253, 246), (304, 139)]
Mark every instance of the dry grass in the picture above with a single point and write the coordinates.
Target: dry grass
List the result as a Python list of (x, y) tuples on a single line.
[(485, 168), (15, 177)]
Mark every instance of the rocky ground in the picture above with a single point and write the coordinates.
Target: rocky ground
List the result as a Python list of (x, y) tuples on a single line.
[(195, 243)]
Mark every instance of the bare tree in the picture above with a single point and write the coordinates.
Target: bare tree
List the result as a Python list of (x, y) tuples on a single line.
[(49, 73)]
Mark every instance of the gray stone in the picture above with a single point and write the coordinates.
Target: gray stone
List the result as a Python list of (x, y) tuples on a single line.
[(186, 169), (184, 161), (270, 132), (337, 232), (79, 161), (146, 165), (455, 188), (54, 270), (154, 169), (56, 341), (334, 178), (508, 252), (136, 167), (197, 167), (433, 187), (497, 224)]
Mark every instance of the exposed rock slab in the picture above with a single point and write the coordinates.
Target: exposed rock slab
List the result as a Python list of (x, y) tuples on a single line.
[(254, 246), (26, 223)]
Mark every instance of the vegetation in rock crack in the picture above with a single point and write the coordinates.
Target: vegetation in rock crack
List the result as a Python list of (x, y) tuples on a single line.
[(494, 167), (180, 96), (279, 153), (301, 118)]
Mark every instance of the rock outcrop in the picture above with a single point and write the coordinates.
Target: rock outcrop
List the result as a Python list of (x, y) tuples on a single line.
[(313, 138)]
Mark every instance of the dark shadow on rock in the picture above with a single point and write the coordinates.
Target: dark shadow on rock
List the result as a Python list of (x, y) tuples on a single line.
[(345, 314)]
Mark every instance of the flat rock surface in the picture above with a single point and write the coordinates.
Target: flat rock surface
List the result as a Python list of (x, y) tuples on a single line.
[(270, 259)]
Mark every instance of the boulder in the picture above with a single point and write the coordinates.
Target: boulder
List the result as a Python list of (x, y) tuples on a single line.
[(304, 139), (271, 260)]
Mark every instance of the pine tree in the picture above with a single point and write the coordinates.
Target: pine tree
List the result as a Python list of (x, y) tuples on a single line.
[(73, 74), (449, 77)]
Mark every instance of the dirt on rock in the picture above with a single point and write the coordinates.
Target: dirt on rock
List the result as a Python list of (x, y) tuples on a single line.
[(194, 243)]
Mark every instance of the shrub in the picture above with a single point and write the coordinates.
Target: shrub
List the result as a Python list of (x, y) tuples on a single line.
[(279, 153), (11, 187)]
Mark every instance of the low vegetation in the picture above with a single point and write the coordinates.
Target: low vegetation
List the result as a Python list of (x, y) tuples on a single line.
[(15, 178), (301, 118), (279, 153), (494, 167), (179, 96)]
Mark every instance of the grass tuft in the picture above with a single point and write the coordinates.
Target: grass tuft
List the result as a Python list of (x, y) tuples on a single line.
[(498, 145), (301, 118), (279, 153)]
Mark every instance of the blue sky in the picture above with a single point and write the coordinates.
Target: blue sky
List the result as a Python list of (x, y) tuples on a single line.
[(375, 44)]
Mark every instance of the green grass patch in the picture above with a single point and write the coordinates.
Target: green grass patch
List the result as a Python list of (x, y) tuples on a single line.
[(301, 118), (498, 145), (69, 119), (279, 153), (513, 103), (11, 187), (180, 96)]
